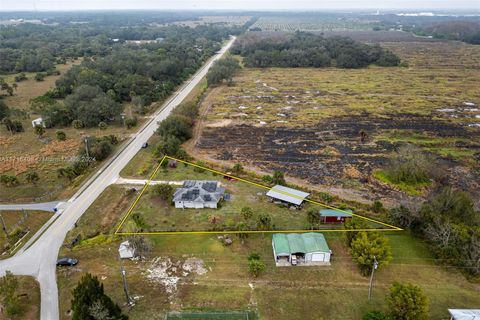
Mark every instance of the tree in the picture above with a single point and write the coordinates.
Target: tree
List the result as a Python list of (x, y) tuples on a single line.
[(61, 135), (164, 191), (409, 165), (39, 130), (100, 150), (454, 204), (353, 224), (8, 288), (278, 178), (9, 181), (313, 218), (246, 213), (102, 125), (13, 126), (223, 69), (40, 76), (131, 122), (377, 206), (92, 106), (264, 222), (4, 110), (368, 246), (405, 216), (242, 226), (407, 302), (40, 103), (169, 145), (32, 177), (255, 265), (139, 242), (237, 168), (77, 124), (89, 292), (176, 126)]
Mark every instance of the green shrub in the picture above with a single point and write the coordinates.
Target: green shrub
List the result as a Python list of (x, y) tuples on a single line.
[(61, 135)]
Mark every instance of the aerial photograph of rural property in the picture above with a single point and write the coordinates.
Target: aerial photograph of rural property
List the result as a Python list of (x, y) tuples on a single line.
[(240, 160)]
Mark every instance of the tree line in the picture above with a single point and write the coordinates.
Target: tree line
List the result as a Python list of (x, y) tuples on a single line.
[(93, 92), (37, 47), (309, 50)]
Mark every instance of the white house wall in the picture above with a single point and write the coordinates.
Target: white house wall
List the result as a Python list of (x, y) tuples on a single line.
[(195, 205)]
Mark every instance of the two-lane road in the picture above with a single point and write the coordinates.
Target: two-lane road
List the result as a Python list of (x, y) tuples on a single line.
[(39, 259)]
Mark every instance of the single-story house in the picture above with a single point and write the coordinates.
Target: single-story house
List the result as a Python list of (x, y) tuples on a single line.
[(38, 123), (464, 314), (300, 248), (126, 250), (291, 197), (334, 216), (198, 194)]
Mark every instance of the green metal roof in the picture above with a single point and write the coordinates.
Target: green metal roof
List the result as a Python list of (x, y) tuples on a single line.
[(299, 242), (335, 213)]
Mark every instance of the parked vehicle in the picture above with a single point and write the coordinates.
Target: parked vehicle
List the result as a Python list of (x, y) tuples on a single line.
[(145, 145), (66, 262), (294, 260)]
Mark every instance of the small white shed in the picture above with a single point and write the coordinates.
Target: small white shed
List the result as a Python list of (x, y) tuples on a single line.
[(38, 122), (464, 314), (126, 250)]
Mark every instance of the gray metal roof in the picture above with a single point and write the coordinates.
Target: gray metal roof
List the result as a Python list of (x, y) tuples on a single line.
[(287, 194), (199, 191)]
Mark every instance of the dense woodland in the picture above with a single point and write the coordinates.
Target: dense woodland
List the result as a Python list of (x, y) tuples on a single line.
[(309, 50), (466, 31), (112, 71)]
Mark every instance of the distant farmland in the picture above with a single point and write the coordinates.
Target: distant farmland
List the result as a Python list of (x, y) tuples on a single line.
[(311, 24)]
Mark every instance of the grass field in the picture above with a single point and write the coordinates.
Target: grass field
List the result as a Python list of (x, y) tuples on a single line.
[(335, 292), (20, 225), (159, 284), (152, 214), (309, 122), (28, 292)]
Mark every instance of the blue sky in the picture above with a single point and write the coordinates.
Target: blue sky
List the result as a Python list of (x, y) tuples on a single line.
[(8, 5)]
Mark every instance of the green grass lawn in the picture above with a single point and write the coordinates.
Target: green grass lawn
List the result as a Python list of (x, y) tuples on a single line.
[(20, 224), (334, 292), (151, 214)]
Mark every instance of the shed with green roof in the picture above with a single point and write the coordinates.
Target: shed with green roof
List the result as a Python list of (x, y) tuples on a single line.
[(308, 248)]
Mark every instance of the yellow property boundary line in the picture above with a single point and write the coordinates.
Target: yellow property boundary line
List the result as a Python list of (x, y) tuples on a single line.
[(117, 232)]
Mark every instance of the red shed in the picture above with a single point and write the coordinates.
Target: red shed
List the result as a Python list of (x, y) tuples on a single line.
[(334, 216)]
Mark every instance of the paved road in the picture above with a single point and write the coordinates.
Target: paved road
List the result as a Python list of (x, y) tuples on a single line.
[(42, 206), (39, 259)]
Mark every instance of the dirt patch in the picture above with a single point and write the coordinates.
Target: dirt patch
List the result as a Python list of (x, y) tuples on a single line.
[(169, 273), (63, 147)]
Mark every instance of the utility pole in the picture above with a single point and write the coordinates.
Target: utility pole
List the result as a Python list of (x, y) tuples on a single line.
[(125, 286), (86, 147), (4, 227), (374, 267)]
